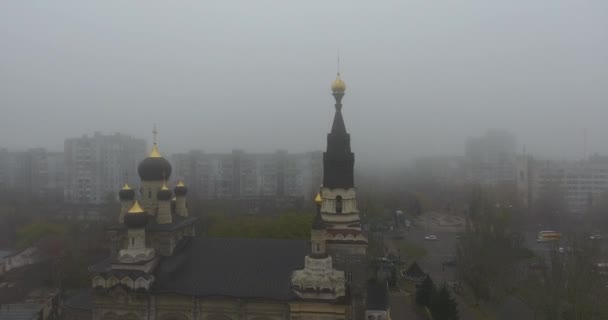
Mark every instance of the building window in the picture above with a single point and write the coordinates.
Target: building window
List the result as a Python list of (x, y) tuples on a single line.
[(149, 194), (349, 276), (132, 241), (339, 204), (318, 248)]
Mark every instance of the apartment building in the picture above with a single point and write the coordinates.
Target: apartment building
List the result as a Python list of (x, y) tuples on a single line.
[(97, 166), (240, 175)]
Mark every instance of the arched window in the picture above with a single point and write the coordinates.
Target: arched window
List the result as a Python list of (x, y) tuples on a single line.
[(339, 204)]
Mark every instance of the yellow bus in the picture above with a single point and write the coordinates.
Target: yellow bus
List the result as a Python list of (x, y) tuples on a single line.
[(545, 236)]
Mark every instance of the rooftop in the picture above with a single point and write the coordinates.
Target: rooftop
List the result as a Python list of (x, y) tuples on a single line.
[(229, 267)]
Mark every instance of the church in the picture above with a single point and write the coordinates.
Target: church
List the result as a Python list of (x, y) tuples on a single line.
[(159, 269)]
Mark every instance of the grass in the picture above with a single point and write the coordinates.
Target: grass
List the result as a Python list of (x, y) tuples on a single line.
[(411, 251)]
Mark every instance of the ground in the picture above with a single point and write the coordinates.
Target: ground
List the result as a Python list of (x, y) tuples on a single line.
[(430, 254)]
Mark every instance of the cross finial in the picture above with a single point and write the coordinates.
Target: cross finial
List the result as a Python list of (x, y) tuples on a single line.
[(338, 61), (155, 133)]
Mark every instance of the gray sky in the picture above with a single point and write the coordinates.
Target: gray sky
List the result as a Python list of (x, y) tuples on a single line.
[(421, 75)]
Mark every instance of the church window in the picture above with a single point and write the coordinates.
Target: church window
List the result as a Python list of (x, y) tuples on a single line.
[(339, 204), (132, 241), (349, 276), (318, 247), (149, 194)]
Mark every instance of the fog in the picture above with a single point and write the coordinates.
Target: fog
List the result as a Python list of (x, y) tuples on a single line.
[(421, 75)]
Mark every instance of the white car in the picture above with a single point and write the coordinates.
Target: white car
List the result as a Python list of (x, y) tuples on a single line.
[(431, 237)]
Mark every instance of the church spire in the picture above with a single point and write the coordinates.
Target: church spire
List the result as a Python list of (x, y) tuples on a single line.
[(338, 160)]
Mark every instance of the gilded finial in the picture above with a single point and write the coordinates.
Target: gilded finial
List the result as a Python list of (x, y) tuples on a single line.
[(180, 183), (126, 187), (318, 199), (155, 153), (136, 208)]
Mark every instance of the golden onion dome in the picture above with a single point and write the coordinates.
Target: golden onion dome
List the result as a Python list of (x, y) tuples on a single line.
[(338, 86)]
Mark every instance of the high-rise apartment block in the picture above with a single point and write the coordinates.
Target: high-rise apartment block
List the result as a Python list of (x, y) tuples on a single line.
[(31, 174), (96, 166), (580, 183), (240, 175), (491, 158)]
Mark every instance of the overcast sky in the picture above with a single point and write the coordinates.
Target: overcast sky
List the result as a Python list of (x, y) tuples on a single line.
[(216, 75)]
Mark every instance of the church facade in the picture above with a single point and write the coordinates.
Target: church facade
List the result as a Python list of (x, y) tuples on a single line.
[(159, 269)]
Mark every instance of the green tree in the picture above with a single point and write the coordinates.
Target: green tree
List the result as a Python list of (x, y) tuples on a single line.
[(425, 292), (33, 232), (443, 306)]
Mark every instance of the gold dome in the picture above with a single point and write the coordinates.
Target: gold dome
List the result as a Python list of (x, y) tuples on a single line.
[(136, 208), (338, 85), (164, 187), (318, 199), (180, 183)]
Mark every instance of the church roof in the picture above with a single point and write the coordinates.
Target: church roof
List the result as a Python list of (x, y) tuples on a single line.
[(229, 267), (414, 272), (80, 299), (377, 295)]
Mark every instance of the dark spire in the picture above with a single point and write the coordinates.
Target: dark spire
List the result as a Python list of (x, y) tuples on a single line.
[(338, 160)]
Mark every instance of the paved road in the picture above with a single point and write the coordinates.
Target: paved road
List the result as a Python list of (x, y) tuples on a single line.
[(400, 309)]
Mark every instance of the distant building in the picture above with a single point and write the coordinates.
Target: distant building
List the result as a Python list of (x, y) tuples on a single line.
[(34, 173), (445, 170), (491, 158), (580, 182), (240, 175), (96, 166)]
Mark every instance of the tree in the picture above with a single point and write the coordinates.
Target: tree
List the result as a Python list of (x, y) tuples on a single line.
[(489, 252), (572, 287), (425, 292), (443, 306)]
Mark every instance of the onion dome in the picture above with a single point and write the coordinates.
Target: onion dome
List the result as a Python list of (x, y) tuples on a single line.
[(164, 194), (180, 189), (126, 193), (154, 167), (136, 217), (338, 86)]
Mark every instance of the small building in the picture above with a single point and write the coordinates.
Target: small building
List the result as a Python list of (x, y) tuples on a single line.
[(414, 273), (378, 307)]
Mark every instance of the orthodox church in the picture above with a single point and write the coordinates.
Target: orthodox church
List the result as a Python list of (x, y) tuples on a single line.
[(159, 269)]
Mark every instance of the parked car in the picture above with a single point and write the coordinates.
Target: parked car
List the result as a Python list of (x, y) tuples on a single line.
[(431, 237), (596, 237)]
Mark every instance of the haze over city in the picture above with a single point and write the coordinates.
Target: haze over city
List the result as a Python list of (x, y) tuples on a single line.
[(421, 76)]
